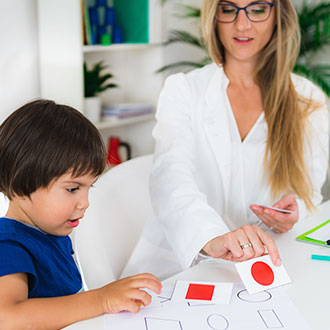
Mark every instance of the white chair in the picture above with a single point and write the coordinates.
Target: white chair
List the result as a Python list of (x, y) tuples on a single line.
[(4, 203), (107, 235)]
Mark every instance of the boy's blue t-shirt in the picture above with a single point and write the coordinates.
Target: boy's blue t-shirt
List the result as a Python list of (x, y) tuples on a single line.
[(46, 259)]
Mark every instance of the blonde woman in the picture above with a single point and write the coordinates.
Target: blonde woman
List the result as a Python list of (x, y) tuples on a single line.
[(237, 134)]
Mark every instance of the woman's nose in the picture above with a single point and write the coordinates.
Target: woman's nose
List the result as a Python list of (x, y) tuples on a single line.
[(242, 22)]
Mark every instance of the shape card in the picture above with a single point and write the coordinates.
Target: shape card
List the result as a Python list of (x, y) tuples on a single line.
[(261, 274), (217, 293), (155, 302)]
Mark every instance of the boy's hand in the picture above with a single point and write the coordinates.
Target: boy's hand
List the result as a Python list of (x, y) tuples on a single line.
[(125, 294)]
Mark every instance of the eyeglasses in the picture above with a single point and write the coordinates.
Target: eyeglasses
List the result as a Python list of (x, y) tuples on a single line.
[(255, 12)]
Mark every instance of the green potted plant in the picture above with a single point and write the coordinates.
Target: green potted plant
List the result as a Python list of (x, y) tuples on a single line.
[(314, 21), (96, 80)]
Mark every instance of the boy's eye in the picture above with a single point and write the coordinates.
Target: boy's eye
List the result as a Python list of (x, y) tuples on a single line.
[(72, 189)]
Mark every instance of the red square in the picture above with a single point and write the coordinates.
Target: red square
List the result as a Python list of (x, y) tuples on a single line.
[(200, 291)]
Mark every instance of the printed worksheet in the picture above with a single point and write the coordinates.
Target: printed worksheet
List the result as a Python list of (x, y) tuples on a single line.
[(271, 309)]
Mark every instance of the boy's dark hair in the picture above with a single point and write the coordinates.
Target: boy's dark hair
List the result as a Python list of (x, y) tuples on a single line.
[(43, 140)]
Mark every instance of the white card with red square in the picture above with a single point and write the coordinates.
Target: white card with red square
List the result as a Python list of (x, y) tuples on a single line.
[(260, 274), (191, 291)]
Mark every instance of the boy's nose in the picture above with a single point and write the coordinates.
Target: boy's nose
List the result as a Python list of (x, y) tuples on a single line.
[(83, 203)]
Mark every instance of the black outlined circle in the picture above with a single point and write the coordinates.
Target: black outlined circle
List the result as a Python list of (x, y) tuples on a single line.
[(255, 298), (217, 322)]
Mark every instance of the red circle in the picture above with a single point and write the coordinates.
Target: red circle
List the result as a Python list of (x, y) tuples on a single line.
[(262, 273)]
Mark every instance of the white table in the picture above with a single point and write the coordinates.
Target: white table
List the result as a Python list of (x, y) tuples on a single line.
[(310, 287)]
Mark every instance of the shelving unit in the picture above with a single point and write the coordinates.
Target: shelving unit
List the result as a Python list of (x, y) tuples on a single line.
[(103, 125), (113, 47), (62, 55)]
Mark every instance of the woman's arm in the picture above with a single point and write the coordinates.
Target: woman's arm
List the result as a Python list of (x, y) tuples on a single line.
[(187, 219)]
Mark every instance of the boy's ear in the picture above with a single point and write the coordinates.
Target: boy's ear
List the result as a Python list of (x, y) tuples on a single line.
[(17, 197)]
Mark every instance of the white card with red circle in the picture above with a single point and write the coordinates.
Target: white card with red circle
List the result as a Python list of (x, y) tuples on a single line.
[(260, 274), (210, 292)]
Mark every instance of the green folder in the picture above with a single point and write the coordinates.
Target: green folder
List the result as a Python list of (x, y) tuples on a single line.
[(303, 237)]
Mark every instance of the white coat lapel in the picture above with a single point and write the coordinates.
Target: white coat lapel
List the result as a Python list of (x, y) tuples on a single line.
[(217, 126)]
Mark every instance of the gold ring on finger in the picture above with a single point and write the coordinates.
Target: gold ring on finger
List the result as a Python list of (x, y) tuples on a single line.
[(245, 246)]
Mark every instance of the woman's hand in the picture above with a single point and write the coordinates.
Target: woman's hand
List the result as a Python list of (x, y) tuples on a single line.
[(244, 243), (277, 221)]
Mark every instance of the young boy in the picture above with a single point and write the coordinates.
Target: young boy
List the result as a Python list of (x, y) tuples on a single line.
[(50, 155)]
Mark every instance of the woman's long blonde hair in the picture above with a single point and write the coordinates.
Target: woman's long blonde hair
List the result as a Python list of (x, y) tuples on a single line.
[(285, 111)]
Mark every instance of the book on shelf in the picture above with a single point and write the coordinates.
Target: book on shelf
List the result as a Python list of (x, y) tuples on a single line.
[(125, 110), (83, 22), (122, 21), (87, 33)]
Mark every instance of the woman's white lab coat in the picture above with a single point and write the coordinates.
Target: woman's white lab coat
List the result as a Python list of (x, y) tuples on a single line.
[(204, 177)]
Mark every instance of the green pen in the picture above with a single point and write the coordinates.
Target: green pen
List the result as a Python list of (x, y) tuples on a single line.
[(318, 257)]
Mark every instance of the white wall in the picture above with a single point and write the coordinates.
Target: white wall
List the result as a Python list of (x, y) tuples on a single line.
[(19, 74)]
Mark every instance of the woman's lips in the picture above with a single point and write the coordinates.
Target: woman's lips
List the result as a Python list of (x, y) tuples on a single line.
[(243, 40)]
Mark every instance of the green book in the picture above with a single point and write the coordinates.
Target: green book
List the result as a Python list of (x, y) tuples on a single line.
[(133, 17), (87, 26), (303, 237)]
